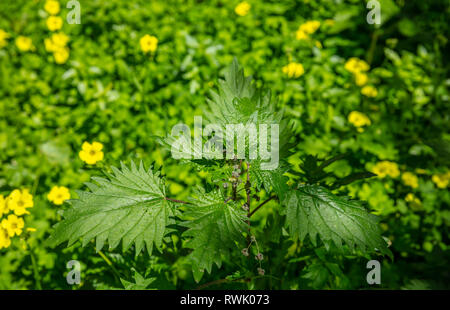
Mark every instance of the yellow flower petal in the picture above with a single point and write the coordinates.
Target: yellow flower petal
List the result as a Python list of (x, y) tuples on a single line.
[(97, 146), (242, 8)]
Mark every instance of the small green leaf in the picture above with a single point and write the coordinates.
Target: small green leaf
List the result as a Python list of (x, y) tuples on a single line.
[(141, 283), (317, 274)]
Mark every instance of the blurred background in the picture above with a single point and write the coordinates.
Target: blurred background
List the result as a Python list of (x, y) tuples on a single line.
[(130, 70)]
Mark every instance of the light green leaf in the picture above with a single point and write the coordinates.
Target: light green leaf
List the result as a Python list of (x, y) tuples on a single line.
[(129, 206), (56, 151), (313, 210), (388, 10)]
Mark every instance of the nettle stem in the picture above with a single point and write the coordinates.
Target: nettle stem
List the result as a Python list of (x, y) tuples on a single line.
[(248, 192), (262, 204), (235, 178), (176, 200)]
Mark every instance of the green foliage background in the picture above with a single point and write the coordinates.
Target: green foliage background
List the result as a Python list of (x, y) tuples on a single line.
[(111, 92)]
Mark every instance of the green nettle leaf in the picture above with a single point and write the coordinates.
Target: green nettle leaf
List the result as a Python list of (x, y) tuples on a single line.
[(317, 274), (238, 101), (130, 206), (140, 283), (270, 180), (313, 210), (214, 227), (275, 180)]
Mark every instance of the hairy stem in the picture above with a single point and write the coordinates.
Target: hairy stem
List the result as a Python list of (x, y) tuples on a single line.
[(373, 44), (234, 187), (110, 264), (37, 277), (248, 191), (262, 204), (176, 200)]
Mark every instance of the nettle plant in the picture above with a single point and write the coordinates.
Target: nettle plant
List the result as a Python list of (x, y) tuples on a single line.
[(131, 205)]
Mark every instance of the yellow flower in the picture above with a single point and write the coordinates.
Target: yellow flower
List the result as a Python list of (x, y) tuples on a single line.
[(361, 79), (18, 201), (409, 197), (49, 45), (358, 119), (54, 23), (5, 241), (148, 43), (3, 36), (61, 54), (60, 39), (52, 7), (58, 194), (91, 153), (410, 179), (24, 44), (56, 42), (310, 26), (242, 8), (3, 206), (414, 202), (441, 180), (356, 65), (393, 170), (301, 35), (369, 91), (386, 168), (293, 70), (13, 225)]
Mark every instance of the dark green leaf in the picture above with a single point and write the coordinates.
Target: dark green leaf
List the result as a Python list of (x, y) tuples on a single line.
[(214, 228), (140, 283), (313, 210), (129, 206)]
